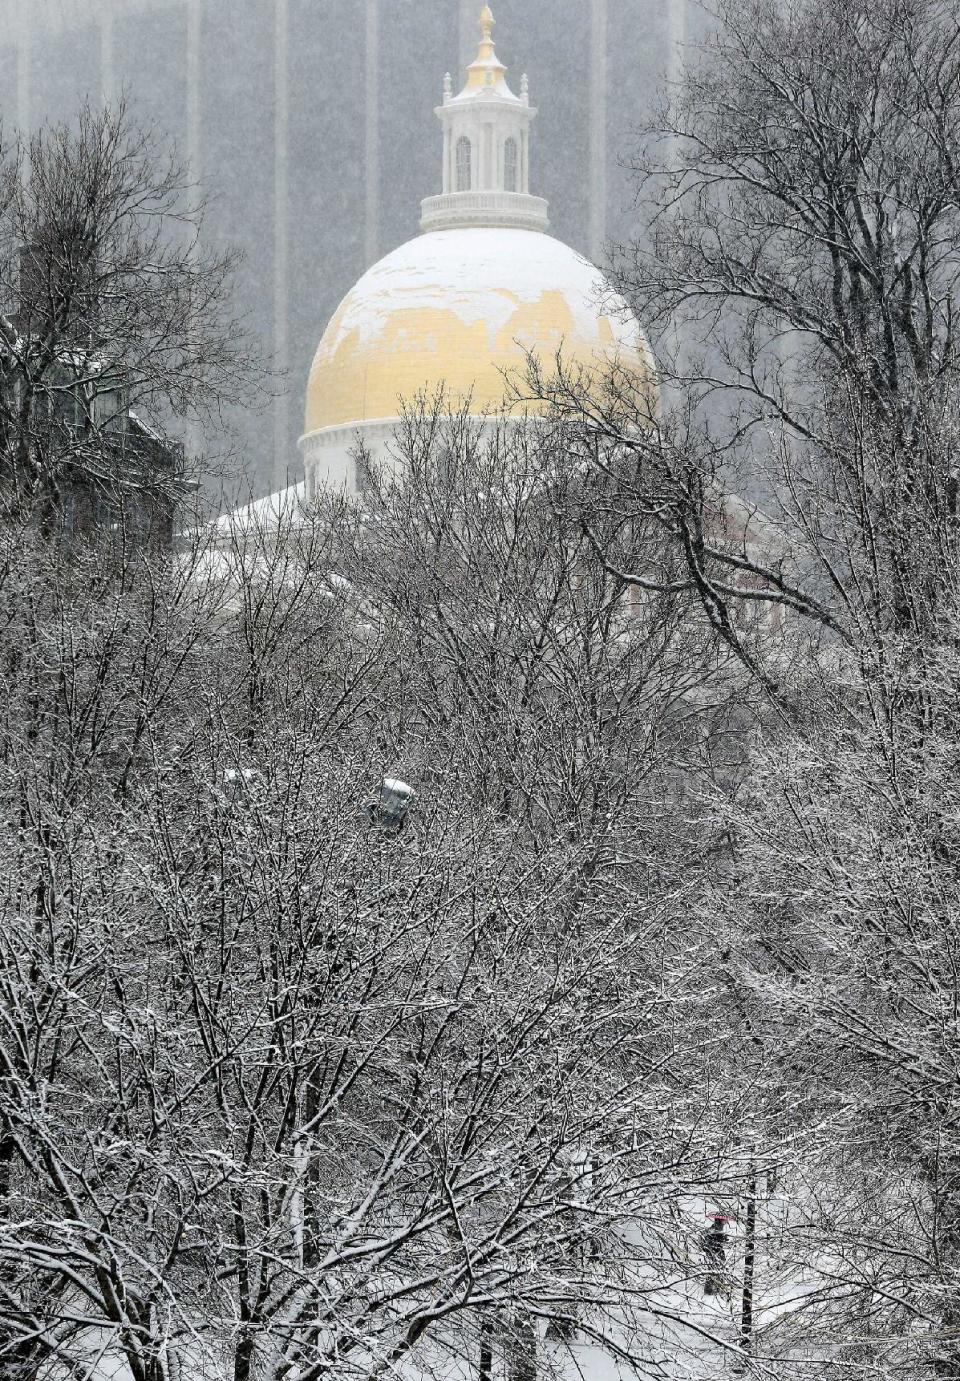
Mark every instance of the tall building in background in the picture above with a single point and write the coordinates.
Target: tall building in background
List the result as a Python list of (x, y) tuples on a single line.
[(304, 122)]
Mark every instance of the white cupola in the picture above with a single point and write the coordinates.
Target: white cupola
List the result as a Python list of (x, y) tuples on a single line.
[(486, 150)]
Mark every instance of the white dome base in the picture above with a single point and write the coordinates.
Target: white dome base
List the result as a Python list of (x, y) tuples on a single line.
[(330, 455), (332, 463)]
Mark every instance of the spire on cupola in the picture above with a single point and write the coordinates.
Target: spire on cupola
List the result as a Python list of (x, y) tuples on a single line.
[(486, 149), (486, 70)]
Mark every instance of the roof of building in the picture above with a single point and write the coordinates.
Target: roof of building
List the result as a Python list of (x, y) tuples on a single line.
[(459, 309), (264, 514)]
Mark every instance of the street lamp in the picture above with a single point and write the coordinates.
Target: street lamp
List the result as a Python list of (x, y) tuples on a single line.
[(390, 809)]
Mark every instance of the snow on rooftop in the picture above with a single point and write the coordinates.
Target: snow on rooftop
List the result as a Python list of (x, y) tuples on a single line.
[(265, 513)]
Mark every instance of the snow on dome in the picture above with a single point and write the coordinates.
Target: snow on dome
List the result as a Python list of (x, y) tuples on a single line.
[(458, 308)]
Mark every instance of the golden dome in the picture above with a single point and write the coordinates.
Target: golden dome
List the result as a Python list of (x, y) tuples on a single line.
[(458, 309)]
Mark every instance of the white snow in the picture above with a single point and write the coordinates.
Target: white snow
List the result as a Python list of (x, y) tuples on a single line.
[(266, 513), (482, 274)]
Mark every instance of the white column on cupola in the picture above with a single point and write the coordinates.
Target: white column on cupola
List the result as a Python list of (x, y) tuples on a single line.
[(525, 141), (486, 149), (447, 140)]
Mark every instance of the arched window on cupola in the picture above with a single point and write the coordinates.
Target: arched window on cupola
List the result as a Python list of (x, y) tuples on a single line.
[(510, 165), (463, 164)]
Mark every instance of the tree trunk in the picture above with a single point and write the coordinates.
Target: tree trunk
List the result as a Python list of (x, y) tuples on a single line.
[(749, 1264)]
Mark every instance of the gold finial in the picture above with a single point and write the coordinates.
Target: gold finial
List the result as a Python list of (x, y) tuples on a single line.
[(485, 70)]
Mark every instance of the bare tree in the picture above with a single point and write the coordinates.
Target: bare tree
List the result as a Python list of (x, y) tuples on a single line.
[(798, 269), (479, 561), (285, 1090), (116, 319), (846, 874), (798, 272)]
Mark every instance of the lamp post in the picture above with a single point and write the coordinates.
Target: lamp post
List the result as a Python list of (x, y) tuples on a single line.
[(715, 1250)]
